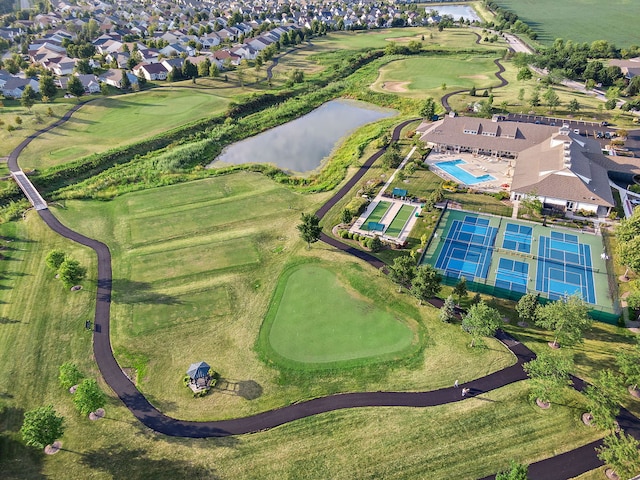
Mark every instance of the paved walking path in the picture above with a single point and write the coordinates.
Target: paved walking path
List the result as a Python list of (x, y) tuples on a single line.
[(559, 467)]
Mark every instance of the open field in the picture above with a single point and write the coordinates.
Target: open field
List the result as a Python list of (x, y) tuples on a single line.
[(32, 120), (316, 318), (579, 20), (425, 76), (343, 444), (111, 122)]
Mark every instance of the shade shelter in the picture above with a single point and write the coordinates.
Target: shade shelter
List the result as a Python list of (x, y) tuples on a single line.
[(198, 370)]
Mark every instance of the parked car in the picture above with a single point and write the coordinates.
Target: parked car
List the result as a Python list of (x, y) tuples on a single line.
[(599, 135), (607, 135)]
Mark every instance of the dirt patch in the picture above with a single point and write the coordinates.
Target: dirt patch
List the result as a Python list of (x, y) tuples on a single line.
[(395, 87), (404, 39), (475, 77)]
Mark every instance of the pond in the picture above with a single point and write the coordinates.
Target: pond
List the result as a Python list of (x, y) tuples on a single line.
[(301, 145), (456, 11)]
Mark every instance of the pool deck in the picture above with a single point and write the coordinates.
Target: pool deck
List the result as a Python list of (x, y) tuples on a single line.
[(476, 165)]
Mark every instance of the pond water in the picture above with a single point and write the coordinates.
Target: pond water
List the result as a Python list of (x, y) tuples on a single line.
[(301, 145), (456, 11)]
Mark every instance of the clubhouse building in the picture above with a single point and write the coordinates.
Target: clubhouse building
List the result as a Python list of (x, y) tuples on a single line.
[(566, 171)]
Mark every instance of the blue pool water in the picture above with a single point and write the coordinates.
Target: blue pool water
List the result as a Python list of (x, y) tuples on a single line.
[(452, 168)]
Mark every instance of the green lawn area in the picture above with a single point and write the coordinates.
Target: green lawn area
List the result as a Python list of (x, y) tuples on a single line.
[(114, 121), (579, 20), (315, 319), (425, 76), (216, 317)]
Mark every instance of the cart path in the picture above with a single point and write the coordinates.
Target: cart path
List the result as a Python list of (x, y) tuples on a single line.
[(560, 467)]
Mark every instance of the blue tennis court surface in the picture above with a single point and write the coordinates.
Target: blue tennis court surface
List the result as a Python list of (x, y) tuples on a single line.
[(564, 267), (517, 238), (512, 275), (467, 249)]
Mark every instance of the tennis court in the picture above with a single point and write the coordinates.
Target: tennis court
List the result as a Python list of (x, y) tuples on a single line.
[(564, 262), (467, 248), (512, 275), (517, 238), (565, 267), (400, 220), (376, 216)]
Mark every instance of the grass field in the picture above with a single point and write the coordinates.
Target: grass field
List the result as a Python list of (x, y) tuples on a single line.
[(345, 444), (317, 319), (579, 20), (425, 76), (111, 122)]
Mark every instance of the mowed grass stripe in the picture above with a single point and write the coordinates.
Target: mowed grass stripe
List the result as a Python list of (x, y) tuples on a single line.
[(181, 310), (112, 122), (229, 211), (319, 321), (398, 223), (193, 260)]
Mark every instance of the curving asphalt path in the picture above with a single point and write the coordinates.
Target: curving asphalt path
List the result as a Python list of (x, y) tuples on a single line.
[(503, 82), (559, 467)]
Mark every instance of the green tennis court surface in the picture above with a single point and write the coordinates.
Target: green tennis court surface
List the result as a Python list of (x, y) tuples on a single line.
[(400, 220), (377, 214)]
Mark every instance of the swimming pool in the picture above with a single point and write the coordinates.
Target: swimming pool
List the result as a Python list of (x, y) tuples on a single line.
[(452, 168)]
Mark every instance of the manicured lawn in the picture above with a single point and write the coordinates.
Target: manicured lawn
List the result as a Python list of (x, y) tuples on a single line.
[(110, 122), (580, 20), (317, 320), (425, 76)]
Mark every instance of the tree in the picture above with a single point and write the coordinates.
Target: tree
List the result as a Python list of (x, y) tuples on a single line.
[(189, 70), (620, 452), (551, 98), (28, 97), (18, 121), (521, 94), (214, 70), (297, 76), (628, 241), (516, 471), (42, 427), (472, 91), (603, 399), (568, 319), (426, 283), (428, 108), (88, 397), (376, 244), (448, 312), (125, 83), (69, 375), (549, 373), (524, 74), (534, 101), (74, 86), (629, 365), (402, 271), (481, 321), (610, 104), (309, 229), (54, 259), (203, 68), (71, 272), (460, 290), (573, 106), (527, 308)]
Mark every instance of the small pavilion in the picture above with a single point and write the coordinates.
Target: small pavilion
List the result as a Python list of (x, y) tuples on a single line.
[(199, 376)]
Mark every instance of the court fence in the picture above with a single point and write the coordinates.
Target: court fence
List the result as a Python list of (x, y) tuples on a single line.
[(433, 233), (597, 312)]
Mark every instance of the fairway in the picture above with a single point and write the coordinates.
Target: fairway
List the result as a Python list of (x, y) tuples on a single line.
[(111, 122), (580, 20), (420, 76), (317, 320)]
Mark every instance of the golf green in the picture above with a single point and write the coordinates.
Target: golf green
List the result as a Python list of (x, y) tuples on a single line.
[(320, 320)]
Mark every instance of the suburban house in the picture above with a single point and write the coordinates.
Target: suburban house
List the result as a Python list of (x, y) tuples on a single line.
[(89, 81), (630, 68), (151, 71), (113, 77), (564, 170), (14, 86)]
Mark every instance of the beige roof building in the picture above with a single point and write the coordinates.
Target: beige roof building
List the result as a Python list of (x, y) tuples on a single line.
[(563, 169)]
